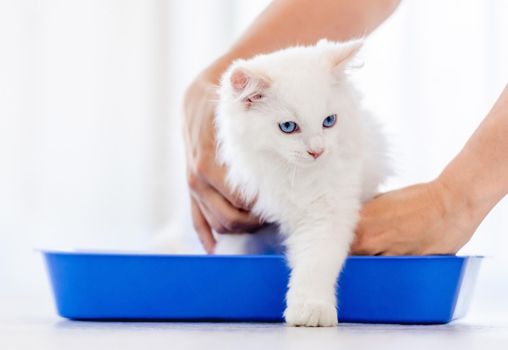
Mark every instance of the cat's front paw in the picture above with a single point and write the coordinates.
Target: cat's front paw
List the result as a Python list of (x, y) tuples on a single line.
[(310, 313)]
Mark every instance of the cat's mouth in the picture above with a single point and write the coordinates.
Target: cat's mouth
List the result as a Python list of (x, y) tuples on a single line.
[(306, 160)]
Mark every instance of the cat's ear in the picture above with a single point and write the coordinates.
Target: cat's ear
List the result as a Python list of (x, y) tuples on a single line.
[(340, 55), (248, 86)]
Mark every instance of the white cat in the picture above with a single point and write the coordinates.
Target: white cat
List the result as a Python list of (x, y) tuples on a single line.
[(295, 139)]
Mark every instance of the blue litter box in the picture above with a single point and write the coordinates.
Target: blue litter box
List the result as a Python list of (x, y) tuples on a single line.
[(405, 290)]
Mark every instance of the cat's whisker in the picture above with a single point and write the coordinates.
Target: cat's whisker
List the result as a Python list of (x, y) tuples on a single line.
[(293, 176)]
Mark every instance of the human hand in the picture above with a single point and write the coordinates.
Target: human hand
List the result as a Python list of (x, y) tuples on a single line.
[(422, 219), (439, 217), (213, 204)]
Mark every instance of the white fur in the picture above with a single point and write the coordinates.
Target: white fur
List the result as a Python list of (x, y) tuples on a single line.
[(315, 202)]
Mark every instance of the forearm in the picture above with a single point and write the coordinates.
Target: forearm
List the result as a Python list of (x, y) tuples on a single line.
[(291, 22), (478, 176)]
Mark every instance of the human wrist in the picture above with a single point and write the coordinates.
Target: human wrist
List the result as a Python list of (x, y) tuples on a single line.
[(460, 198)]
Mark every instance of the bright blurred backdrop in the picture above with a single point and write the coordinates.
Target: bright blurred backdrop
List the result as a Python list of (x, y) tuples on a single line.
[(90, 92)]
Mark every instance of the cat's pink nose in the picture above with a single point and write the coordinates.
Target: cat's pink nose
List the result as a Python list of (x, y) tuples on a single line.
[(315, 153)]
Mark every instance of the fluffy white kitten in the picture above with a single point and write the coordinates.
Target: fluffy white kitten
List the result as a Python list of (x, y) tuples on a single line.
[(295, 139)]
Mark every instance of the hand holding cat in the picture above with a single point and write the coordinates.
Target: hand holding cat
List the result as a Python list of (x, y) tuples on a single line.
[(416, 220), (441, 216), (393, 223), (213, 205)]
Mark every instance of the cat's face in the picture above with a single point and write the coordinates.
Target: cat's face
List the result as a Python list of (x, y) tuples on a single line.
[(293, 104)]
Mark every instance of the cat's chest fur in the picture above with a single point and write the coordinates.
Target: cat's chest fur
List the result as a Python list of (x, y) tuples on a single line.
[(283, 192)]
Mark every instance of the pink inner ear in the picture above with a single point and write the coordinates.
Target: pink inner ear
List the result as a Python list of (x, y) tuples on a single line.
[(239, 80)]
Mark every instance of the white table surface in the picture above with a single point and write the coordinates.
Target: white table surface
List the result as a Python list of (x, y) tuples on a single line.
[(31, 323), (50, 333)]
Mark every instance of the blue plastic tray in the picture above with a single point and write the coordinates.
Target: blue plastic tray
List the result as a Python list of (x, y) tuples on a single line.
[(408, 290)]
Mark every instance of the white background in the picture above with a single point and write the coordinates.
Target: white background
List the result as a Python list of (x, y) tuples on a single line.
[(90, 148)]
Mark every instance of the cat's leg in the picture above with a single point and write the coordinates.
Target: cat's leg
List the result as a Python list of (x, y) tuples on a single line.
[(233, 244), (264, 241), (316, 250)]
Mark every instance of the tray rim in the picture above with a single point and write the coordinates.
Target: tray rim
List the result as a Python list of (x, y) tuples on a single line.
[(136, 254)]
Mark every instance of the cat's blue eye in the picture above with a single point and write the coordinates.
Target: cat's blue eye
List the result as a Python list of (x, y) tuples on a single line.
[(288, 127), (329, 121)]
